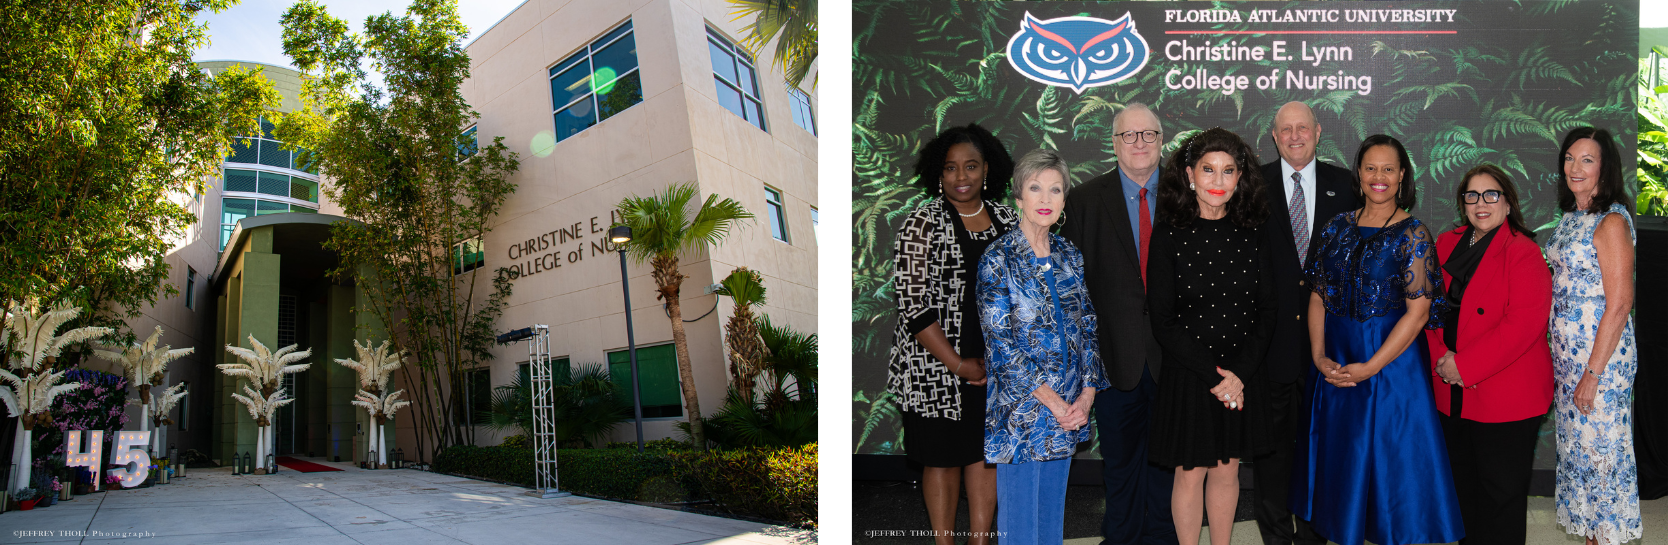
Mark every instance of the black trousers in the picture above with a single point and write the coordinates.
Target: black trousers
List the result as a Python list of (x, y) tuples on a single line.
[(1137, 491), (1491, 464), (1272, 473)]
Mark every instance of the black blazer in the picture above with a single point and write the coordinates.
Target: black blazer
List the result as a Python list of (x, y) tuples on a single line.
[(1097, 221), (1335, 193)]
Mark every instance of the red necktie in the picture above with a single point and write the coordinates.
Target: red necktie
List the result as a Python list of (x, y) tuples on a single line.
[(1146, 233)]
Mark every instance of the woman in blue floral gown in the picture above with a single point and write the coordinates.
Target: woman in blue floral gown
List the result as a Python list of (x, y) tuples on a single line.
[(1593, 358), (1375, 466)]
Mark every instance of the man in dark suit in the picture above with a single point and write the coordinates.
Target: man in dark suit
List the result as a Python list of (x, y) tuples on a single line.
[(1110, 220), (1313, 192)]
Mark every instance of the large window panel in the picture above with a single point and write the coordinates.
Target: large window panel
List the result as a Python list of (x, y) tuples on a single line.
[(596, 82), (268, 207), (232, 210), (802, 115), (273, 155), (622, 93), (575, 118), (274, 184), (240, 180), (735, 79), (570, 85), (614, 61), (304, 189), (245, 150)]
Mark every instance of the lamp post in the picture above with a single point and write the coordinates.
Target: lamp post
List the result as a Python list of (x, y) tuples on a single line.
[(619, 235)]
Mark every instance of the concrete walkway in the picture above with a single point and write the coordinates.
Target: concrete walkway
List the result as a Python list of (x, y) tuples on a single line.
[(396, 507)]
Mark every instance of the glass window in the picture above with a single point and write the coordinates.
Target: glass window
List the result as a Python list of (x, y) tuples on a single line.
[(478, 395), (813, 225), (657, 367), (467, 256), (597, 82), (801, 109), (304, 189), (778, 223), (273, 155), (190, 287), (274, 184), (240, 180), (733, 75), (245, 150), (468, 144)]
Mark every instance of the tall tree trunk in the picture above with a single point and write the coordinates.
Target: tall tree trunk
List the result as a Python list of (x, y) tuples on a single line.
[(670, 280)]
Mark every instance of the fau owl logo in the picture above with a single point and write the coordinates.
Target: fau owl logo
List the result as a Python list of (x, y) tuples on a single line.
[(1077, 52)]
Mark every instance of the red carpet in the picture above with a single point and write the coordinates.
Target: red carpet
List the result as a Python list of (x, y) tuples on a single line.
[(303, 465)]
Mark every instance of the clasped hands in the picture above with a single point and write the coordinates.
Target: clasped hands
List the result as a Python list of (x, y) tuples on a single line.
[(1344, 376), (1231, 391), (973, 370), (1449, 370)]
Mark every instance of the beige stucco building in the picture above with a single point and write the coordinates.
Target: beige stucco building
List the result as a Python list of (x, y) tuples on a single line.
[(530, 78), (601, 99)]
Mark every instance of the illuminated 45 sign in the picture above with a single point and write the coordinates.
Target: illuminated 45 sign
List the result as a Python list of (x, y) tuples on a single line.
[(1077, 52), (128, 453)]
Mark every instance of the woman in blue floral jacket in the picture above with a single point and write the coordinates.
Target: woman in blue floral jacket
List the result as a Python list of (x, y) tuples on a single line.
[(1043, 361)]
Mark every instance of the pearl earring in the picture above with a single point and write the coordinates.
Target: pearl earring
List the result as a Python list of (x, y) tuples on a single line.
[(1190, 186)]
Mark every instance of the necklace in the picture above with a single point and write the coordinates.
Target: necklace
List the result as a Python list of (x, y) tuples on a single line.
[(1476, 235), (975, 212)]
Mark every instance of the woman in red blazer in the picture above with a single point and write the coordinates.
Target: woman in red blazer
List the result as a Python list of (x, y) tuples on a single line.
[(1493, 370)]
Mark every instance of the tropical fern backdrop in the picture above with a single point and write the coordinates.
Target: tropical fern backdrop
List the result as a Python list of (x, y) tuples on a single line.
[(1503, 88)]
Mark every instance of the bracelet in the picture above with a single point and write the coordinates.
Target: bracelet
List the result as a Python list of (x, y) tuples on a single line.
[(1594, 373), (957, 372)]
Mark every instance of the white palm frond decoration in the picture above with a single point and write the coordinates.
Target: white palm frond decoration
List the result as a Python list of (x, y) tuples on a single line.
[(381, 406), (264, 367), (170, 398), (36, 334), (144, 362), (373, 366), (10, 400)]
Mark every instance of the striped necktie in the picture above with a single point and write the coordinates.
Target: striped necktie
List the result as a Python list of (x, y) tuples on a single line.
[(1300, 219)]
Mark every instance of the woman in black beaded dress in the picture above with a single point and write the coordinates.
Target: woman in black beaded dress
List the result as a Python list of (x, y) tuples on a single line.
[(1210, 293)]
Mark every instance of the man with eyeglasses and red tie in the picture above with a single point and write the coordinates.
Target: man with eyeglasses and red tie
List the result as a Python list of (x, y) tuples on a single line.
[(1110, 219)]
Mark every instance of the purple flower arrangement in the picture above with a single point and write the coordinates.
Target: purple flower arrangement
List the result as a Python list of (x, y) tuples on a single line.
[(99, 404)]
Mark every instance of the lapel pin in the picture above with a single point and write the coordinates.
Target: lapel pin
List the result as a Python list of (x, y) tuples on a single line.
[(1331, 194)]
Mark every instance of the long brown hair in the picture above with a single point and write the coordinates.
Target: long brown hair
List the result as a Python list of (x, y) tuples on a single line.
[(1508, 193)]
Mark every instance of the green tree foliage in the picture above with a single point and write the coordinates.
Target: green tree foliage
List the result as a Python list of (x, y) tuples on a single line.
[(587, 406), (107, 132), (921, 67), (392, 153), (781, 416), (662, 226), (795, 21), (1653, 144)]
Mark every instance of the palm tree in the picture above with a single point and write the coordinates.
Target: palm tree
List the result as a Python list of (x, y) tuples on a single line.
[(374, 368), (146, 366), (741, 334), (795, 20), (663, 225), (34, 335), (265, 370)]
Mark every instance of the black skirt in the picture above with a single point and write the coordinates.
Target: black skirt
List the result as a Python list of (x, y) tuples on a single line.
[(942, 442), (1191, 428)]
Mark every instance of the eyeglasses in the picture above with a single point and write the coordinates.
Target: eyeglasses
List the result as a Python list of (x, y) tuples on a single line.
[(1146, 136), (1491, 196)]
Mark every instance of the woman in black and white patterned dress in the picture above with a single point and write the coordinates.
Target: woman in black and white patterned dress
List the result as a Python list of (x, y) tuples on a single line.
[(937, 368)]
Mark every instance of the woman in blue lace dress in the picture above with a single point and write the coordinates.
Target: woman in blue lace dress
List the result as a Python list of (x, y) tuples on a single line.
[(1375, 466), (1044, 362), (1593, 358)]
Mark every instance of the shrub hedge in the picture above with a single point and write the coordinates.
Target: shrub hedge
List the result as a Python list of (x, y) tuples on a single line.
[(776, 484)]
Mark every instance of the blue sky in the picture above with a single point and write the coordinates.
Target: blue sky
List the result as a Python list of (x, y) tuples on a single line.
[(250, 30)]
